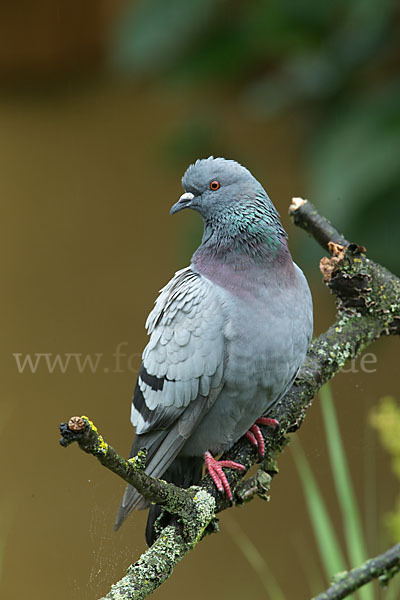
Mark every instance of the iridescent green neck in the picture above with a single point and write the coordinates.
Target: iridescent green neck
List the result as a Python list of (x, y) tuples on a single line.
[(255, 232)]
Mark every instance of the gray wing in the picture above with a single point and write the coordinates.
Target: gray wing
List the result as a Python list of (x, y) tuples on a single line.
[(181, 374)]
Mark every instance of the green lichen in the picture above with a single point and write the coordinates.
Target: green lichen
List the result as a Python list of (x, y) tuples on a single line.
[(157, 564), (101, 447), (138, 462), (90, 423)]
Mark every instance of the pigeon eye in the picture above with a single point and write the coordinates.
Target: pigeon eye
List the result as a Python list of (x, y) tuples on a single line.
[(215, 185)]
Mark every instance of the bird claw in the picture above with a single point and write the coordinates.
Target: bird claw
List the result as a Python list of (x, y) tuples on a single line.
[(255, 436), (214, 467)]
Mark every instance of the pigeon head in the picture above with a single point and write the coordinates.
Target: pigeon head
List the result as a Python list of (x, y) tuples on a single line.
[(233, 204), (214, 185)]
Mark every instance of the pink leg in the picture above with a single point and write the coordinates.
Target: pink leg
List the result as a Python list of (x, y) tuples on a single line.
[(251, 437), (266, 421), (256, 439), (214, 467), (254, 434)]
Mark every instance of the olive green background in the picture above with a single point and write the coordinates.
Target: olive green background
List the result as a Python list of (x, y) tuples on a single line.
[(92, 148)]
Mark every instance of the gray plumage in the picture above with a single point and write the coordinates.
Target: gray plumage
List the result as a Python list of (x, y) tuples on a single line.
[(228, 334)]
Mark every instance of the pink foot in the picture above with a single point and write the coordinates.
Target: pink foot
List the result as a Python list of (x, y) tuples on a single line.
[(254, 434), (214, 467), (266, 421)]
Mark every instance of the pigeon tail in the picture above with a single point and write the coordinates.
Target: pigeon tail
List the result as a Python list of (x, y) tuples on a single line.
[(183, 472)]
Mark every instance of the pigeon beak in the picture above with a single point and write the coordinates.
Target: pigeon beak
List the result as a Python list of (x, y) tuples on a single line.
[(184, 201)]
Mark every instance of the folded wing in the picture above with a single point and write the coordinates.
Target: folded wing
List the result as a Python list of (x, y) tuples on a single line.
[(181, 374)]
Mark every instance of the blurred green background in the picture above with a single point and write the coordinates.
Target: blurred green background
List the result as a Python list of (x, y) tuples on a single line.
[(103, 104)]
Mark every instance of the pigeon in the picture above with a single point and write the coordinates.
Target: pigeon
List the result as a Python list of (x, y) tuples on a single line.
[(228, 335)]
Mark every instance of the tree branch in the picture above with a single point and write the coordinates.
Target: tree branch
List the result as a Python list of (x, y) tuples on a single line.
[(306, 216), (368, 306), (178, 501), (384, 567)]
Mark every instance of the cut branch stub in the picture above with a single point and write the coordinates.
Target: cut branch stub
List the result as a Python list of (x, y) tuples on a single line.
[(72, 431), (306, 216), (76, 424)]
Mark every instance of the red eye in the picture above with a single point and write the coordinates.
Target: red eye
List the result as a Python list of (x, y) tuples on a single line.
[(215, 185)]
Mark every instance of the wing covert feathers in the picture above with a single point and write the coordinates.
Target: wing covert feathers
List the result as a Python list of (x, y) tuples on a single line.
[(180, 377)]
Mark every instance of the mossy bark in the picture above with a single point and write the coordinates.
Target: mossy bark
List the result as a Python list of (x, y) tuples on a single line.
[(383, 567)]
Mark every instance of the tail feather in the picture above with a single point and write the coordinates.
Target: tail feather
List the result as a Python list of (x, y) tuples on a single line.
[(163, 447), (131, 498), (157, 465), (183, 472)]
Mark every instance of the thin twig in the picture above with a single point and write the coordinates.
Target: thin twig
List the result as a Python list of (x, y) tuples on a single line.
[(306, 216), (384, 567)]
